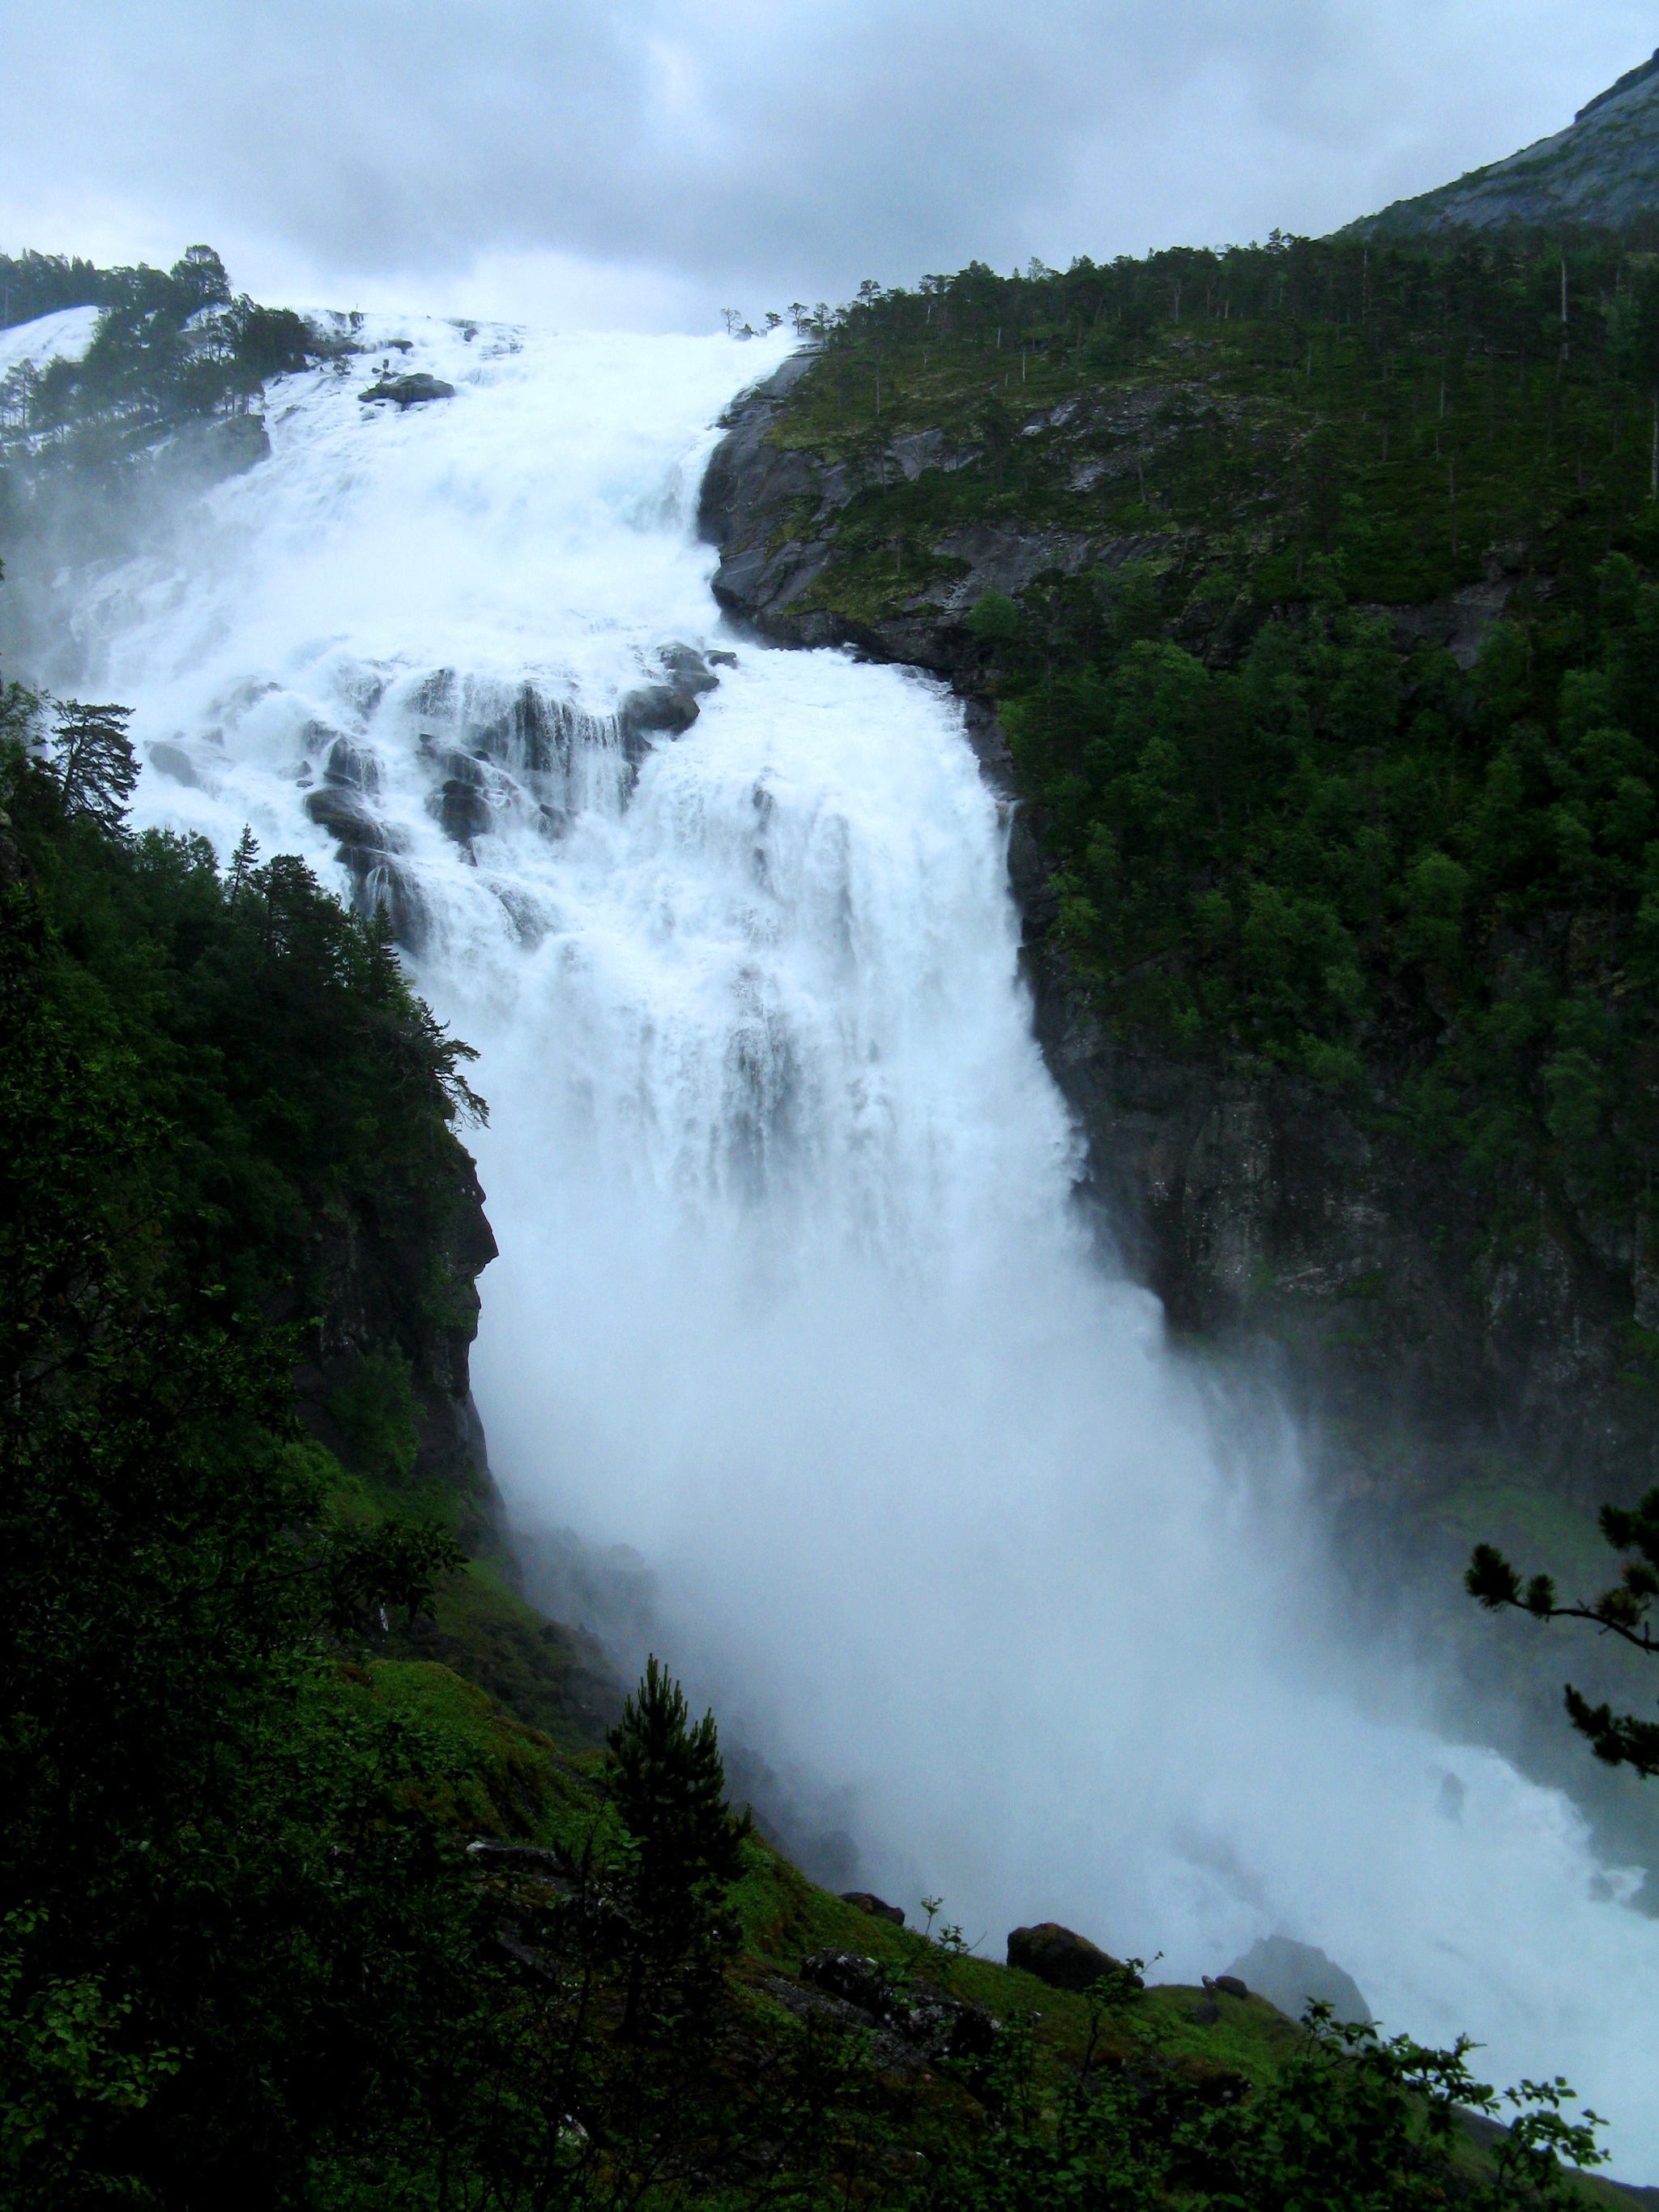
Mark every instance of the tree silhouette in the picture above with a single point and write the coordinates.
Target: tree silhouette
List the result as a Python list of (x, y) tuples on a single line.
[(684, 1848), (93, 758), (1617, 1739)]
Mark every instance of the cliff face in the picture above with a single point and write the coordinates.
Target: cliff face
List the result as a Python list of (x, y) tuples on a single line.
[(404, 1281), (1256, 1205), (1603, 168)]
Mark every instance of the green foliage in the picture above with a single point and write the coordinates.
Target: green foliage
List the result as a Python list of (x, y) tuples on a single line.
[(34, 285), (1283, 831), (220, 1898), (170, 346), (1617, 1739), (1350, 2123), (93, 756), (683, 1850), (379, 1413)]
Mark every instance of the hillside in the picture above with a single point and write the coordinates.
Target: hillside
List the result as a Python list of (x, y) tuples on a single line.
[(1602, 170)]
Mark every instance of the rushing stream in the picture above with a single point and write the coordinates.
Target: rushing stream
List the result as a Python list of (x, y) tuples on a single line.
[(792, 1299)]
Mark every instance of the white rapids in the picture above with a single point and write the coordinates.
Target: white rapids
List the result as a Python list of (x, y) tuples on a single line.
[(792, 1297)]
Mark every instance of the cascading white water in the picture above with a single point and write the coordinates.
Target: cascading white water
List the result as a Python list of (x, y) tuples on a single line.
[(791, 1299)]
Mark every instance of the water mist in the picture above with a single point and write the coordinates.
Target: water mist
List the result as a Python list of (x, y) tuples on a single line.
[(792, 1298)]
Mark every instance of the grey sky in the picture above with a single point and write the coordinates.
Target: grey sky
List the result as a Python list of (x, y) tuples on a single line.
[(648, 160)]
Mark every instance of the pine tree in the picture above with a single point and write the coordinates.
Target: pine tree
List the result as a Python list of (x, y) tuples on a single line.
[(685, 1847), (93, 757)]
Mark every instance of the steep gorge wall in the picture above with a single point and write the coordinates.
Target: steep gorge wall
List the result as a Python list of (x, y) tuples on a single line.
[(1423, 1355)]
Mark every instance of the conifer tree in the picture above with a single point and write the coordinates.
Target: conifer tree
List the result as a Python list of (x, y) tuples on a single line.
[(668, 1787), (93, 757)]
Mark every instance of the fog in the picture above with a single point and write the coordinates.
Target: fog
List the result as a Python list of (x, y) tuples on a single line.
[(794, 1302)]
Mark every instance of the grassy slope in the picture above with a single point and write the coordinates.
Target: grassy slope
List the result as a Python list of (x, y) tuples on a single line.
[(512, 1782)]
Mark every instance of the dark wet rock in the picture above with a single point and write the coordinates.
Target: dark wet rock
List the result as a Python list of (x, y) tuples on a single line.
[(1228, 1985), (1060, 1957), (690, 669), (340, 810), (867, 1902), (1290, 1975), (370, 848), (656, 710), (413, 391), (172, 760), (669, 708), (349, 765), (919, 2014), (461, 803), (463, 810)]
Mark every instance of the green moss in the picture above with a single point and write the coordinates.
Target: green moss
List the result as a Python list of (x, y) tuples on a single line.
[(378, 1415)]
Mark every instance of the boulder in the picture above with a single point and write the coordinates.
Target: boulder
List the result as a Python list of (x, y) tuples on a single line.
[(414, 391), (1058, 1956), (873, 1906), (463, 810), (668, 708), (1290, 1975)]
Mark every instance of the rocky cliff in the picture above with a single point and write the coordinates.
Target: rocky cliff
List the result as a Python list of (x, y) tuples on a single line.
[(1259, 1207)]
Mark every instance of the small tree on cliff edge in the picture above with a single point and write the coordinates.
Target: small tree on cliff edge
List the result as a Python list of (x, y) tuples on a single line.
[(685, 1847), (1618, 1739)]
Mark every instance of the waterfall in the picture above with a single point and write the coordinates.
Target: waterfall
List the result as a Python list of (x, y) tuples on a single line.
[(792, 1299)]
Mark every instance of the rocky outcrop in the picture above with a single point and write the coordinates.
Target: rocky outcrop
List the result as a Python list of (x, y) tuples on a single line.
[(1603, 169), (915, 2022), (418, 390), (1259, 1206), (1293, 1976), (1062, 1958), (402, 1282), (1261, 1209), (876, 1907)]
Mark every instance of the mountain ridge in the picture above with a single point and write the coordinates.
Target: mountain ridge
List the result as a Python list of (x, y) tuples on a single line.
[(1602, 170)]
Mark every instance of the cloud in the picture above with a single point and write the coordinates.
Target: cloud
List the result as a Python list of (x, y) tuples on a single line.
[(681, 153)]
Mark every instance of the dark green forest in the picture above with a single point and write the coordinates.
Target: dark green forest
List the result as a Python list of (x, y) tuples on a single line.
[(1303, 806), (170, 344)]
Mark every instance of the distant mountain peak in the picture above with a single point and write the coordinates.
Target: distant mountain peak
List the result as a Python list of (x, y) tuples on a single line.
[(1602, 169)]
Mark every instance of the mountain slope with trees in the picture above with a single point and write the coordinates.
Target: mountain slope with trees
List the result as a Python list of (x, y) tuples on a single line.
[(1310, 589)]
